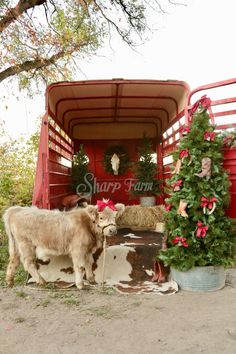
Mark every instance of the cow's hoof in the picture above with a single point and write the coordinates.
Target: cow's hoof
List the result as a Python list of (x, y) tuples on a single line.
[(91, 280), (42, 282), (10, 283), (80, 286)]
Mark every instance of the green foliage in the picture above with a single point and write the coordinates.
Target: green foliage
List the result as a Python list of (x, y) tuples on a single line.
[(79, 171), (229, 138), (21, 274), (47, 42), (216, 247), (146, 171), (17, 171)]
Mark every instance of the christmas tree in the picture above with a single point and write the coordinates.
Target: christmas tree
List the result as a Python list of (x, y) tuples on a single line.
[(146, 171), (79, 170), (199, 233)]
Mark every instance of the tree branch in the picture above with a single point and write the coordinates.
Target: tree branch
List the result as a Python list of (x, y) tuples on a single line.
[(33, 64), (13, 13)]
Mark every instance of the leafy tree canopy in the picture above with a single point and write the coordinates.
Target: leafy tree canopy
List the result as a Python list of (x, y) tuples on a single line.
[(17, 169), (44, 39)]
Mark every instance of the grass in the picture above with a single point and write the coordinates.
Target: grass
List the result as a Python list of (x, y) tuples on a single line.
[(43, 303), (19, 319), (106, 290), (101, 311), (22, 294), (66, 298)]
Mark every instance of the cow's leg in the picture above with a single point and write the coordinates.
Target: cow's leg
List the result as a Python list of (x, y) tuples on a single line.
[(28, 258), (89, 268), (13, 264), (79, 269)]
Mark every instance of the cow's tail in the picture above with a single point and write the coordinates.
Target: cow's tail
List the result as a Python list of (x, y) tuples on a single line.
[(14, 257)]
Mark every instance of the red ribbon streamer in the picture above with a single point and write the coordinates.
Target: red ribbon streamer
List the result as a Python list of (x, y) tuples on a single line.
[(101, 204)]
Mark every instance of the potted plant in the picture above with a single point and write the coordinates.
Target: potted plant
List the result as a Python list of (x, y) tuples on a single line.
[(147, 185), (200, 238)]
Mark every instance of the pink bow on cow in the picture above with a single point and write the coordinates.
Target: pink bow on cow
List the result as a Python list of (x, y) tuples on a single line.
[(204, 101), (102, 204), (201, 229)]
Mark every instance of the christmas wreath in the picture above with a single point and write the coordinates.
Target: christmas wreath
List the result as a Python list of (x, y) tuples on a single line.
[(121, 152)]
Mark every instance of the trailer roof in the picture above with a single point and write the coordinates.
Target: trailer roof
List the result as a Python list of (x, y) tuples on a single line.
[(117, 108)]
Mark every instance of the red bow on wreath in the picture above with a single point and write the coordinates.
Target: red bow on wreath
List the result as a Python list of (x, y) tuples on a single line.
[(102, 204), (208, 204), (181, 241), (201, 229), (210, 136), (204, 101)]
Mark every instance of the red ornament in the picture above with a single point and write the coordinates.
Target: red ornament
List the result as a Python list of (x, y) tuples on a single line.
[(181, 241), (209, 136), (204, 101), (201, 229), (102, 204)]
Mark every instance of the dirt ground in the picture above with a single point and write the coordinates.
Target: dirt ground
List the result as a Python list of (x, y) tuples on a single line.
[(100, 321)]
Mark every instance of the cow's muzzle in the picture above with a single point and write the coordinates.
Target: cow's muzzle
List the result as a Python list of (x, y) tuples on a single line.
[(109, 230)]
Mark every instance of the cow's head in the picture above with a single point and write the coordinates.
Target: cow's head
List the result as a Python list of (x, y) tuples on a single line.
[(104, 214), (115, 163)]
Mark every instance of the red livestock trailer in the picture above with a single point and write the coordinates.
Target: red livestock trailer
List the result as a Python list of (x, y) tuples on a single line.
[(104, 113)]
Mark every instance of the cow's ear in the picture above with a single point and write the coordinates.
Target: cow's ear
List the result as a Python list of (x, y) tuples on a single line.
[(92, 211), (120, 209)]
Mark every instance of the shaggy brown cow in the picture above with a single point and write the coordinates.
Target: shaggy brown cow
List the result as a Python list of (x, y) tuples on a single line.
[(34, 232)]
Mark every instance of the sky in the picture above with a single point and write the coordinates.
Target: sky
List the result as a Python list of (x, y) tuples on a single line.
[(194, 43)]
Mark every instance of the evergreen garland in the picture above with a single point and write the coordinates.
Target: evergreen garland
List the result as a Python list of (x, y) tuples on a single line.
[(199, 233)]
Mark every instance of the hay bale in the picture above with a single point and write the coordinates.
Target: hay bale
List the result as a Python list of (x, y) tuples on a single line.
[(143, 217)]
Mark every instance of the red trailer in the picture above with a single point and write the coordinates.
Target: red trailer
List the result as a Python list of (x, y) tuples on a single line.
[(118, 112)]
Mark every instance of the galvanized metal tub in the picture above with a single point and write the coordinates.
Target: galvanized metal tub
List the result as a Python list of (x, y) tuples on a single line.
[(208, 278)]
